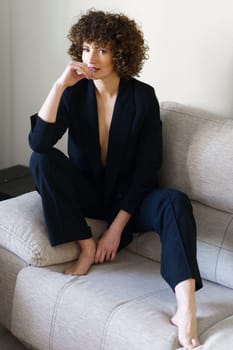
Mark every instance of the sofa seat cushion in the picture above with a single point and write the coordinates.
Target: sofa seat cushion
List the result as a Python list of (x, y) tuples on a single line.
[(10, 265), (23, 232), (120, 305), (81, 311), (220, 334)]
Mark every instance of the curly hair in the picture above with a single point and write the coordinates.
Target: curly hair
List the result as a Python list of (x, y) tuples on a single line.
[(116, 30)]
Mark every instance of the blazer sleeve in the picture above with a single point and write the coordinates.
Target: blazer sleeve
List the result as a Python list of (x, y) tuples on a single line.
[(44, 135), (148, 156)]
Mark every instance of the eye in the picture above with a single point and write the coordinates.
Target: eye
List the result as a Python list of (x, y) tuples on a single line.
[(102, 51), (86, 49)]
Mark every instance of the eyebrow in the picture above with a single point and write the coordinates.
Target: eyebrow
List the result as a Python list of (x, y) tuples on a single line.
[(97, 46)]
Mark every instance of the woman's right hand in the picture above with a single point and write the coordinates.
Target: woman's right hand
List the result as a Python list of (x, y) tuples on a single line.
[(74, 72)]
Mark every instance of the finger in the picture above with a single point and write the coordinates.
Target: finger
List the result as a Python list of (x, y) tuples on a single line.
[(79, 72), (113, 255), (97, 256), (82, 69), (76, 64), (100, 256), (77, 67), (108, 256)]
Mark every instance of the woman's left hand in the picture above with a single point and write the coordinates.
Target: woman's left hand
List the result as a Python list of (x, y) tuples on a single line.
[(107, 246)]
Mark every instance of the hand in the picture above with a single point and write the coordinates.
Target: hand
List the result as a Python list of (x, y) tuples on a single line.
[(74, 72), (107, 246)]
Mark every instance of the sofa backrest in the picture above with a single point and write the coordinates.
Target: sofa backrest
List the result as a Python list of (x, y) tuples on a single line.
[(198, 155)]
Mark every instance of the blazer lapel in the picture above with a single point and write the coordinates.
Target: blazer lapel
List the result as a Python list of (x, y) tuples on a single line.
[(92, 133), (119, 130)]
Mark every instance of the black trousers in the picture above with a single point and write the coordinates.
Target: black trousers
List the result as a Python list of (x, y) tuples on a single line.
[(68, 197)]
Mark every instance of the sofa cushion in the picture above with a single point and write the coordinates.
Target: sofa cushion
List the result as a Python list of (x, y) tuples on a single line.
[(81, 311), (118, 306), (198, 155), (23, 232), (10, 265)]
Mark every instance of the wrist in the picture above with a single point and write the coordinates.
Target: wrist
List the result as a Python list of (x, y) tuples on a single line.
[(115, 229), (60, 85)]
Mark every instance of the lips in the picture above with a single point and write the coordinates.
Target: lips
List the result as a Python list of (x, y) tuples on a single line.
[(92, 69)]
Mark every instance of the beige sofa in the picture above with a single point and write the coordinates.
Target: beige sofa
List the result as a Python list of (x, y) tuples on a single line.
[(126, 305)]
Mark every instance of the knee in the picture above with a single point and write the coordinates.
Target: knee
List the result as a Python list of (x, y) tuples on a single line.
[(41, 161), (175, 194), (178, 198), (38, 161)]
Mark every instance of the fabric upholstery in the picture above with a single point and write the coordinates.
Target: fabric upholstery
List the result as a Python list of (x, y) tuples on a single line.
[(2, 330), (76, 310), (198, 157), (214, 244), (220, 334), (23, 231), (10, 265), (121, 305)]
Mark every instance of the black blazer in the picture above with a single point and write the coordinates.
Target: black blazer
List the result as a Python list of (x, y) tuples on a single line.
[(135, 139)]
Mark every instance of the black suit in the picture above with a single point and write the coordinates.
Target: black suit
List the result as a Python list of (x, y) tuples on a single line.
[(81, 186), (135, 142)]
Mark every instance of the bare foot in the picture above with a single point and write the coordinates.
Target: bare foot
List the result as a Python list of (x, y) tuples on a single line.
[(187, 329), (85, 260), (185, 317)]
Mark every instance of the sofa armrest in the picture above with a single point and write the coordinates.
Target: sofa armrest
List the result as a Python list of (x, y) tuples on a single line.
[(23, 232)]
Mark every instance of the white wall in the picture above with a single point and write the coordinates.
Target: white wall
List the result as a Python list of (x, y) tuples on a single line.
[(34, 56), (5, 87), (191, 56)]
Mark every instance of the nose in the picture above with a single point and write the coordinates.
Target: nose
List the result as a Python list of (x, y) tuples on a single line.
[(92, 56)]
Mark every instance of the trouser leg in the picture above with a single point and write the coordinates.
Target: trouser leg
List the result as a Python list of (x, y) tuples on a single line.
[(169, 213), (66, 197)]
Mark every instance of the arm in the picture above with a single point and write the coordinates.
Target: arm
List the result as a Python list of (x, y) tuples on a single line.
[(48, 111), (52, 120), (69, 77), (109, 242)]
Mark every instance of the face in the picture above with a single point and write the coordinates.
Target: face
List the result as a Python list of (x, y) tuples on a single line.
[(98, 59)]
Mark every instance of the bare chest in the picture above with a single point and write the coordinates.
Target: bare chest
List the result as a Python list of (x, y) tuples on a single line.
[(105, 113)]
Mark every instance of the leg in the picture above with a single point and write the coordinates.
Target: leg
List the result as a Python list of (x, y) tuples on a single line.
[(169, 213), (52, 173), (185, 317), (64, 197)]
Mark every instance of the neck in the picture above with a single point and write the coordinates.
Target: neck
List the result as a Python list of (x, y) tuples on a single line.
[(107, 87)]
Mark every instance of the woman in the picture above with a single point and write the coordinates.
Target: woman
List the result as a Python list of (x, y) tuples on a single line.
[(115, 151)]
